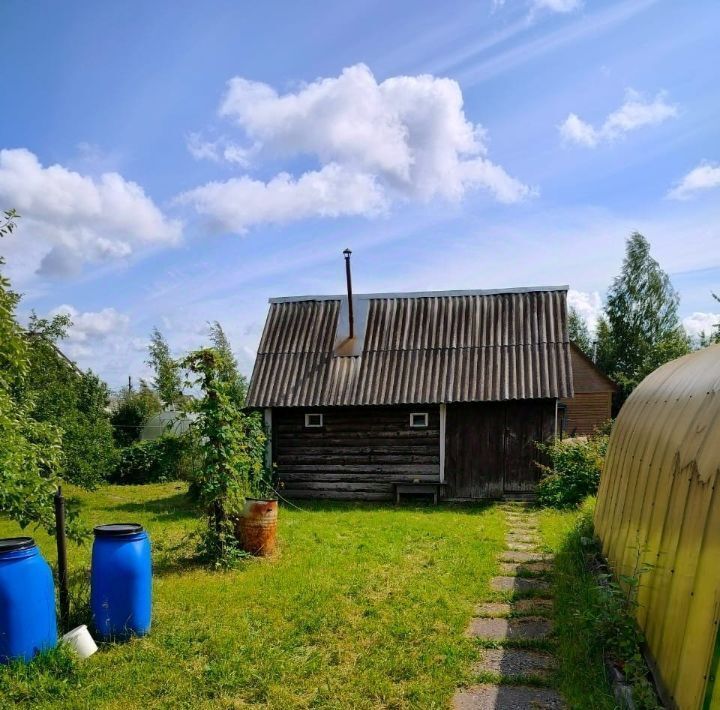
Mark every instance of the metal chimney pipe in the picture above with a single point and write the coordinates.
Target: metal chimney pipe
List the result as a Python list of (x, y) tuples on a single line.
[(348, 277)]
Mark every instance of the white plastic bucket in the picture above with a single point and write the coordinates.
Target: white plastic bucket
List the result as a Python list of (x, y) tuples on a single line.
[(80, 640)]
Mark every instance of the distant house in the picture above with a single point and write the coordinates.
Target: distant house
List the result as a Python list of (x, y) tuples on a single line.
[(447, 389), (591, 405)]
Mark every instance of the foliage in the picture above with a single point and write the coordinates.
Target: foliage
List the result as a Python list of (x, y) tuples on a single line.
[(641, 329), (167, 381), (131, 412), (594, 613), (233, 451), (166, 458), (30, 452), (579, 332), (574, 470), (75, 402), (713, 337), (237, 383)]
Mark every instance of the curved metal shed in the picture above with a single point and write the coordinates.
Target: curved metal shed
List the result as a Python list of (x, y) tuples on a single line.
[(659, 505)]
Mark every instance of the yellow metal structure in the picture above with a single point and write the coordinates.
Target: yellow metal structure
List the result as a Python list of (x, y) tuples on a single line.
[(659, 506)]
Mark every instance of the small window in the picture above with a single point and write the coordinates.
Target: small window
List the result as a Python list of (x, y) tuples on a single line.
[(313, 421), (418, 420)]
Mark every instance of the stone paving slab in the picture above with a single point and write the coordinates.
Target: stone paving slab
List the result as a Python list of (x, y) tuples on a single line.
[(513, 538), (499, 629), (507, 697), (527, 607), (516, 531), (518, 584), (514, 546), (514, 662), (525, 569), (525, 556), (523, 529), (521, 519)]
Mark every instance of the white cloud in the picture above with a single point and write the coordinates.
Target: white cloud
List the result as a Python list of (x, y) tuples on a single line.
[(78, 218), (635, 113), (404, 138), (557, 5), (240, 203), (217, 150), (92, 325), (704, 177), (587, 304), (699, 322), (575, 130)]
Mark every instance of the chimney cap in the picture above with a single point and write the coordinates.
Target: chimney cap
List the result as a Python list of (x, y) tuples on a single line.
[(347, 253)]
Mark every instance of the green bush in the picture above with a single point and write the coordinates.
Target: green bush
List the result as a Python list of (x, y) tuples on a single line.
[(167, 458), (573, 472), (131, 412)]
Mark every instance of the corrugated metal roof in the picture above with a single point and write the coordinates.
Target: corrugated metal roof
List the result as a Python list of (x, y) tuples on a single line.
[(458, 346)]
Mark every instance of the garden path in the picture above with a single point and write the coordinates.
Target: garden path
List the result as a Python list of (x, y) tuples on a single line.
[(514, 629)]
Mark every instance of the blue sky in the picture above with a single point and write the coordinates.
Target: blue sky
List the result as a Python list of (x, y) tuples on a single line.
[(182, 162)]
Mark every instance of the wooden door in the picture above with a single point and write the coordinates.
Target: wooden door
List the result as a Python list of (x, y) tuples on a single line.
[(490, 447), (474, 450), (526, 423)]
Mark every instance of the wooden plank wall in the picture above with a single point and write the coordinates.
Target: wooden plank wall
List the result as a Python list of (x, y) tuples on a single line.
[(358, 454), (586, 412)]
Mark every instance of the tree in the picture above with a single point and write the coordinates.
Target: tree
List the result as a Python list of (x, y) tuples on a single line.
[(75, 402), (167, 381), (30, 450), (237, 384), (579, 332), (132, 411), (713, 337), (233, 451), (640, 329)]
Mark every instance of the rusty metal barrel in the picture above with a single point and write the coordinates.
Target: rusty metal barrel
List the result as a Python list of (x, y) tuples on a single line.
[(256, 528)]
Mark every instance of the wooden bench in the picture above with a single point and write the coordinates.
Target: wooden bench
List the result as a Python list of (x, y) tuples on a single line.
[(427, 488)]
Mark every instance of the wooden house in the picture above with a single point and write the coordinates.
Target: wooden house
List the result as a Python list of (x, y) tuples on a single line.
[(450, 390), (591, 405)]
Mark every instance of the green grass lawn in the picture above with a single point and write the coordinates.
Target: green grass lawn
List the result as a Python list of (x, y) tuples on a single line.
[(364, 607), (581, 673)]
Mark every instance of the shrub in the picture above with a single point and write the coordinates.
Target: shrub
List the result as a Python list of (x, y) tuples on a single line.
[(74, 402), (573, 472), (131, 412), (167, 458)]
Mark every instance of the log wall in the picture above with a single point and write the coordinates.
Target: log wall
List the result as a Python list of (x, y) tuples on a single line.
[(358, 453)]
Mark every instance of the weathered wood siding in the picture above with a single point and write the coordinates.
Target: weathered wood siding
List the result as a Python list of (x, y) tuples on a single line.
[(491, 448), (358, 453), (592, 404), (587, 411)]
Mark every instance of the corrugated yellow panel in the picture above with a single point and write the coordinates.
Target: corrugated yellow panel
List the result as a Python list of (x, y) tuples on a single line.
[(658, 508)]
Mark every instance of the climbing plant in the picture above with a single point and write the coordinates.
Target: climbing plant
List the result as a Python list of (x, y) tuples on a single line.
[(232, 445)]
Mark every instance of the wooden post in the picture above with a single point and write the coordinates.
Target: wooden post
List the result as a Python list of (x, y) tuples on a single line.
[(62, 558)]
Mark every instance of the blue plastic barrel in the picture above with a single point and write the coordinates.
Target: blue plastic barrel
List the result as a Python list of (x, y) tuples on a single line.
[(121, 581), (27, 600)]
